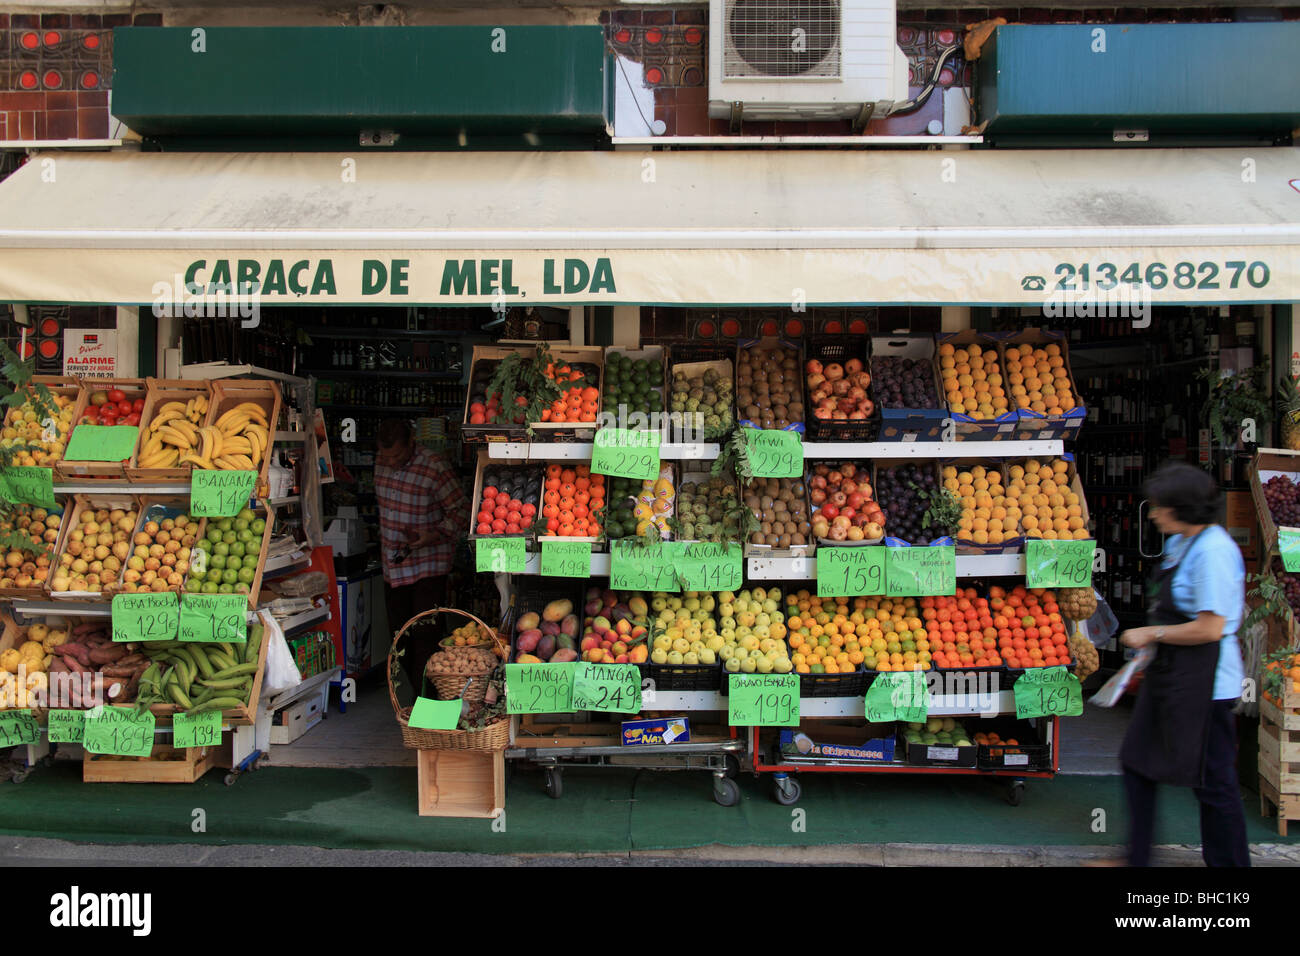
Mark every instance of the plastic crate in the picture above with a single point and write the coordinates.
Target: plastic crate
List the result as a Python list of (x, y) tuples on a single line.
[(853, 684), (839, 348), (682, 676), (1023, 756)]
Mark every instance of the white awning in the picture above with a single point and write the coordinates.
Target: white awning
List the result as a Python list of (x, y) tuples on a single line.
[(832, 227)]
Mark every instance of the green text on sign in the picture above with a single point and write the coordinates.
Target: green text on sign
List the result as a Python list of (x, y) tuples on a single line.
[(1288, 542), (763, 700), (28, 485), (774, 453), (18, 727), (626, 452), (214, 618), (850, 570), (197, 730), (119, 731), (500, 555), (220, 494), (650, 567), (430, 714), (608, 688), (566, 559), (102, 443), (916, 572), (712, 567), (67, 726), (1048, 692), (146, 616), (1059, 564), (898, 695), (539, 688)]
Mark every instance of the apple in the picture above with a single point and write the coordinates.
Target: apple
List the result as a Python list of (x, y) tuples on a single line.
[(98, 398)]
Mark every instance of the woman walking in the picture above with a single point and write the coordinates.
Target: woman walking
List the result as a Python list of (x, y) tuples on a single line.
[(1183, 730)]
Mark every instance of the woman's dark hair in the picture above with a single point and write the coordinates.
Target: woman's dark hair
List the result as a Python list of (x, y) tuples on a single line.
[(1189, 490), (394, 431)]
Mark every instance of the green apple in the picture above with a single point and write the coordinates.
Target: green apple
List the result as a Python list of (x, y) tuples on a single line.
[(241, 524), (242, 588), (221, 548), (206, 546), (226, 588), (217, 561), (245, 536), (246, 575), (229, 537), (213, 576), (209, 587), (229, 576), (250, 560), (245, 515), (226, 524), (214, 535), (258, 526), (237, 549)]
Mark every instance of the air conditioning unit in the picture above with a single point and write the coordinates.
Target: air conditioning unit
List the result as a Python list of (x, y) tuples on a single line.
[(804, 59)]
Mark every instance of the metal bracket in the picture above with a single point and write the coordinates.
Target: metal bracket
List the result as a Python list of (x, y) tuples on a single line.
[(378, 137), (1130, 136), (737, 108), (864, 117)]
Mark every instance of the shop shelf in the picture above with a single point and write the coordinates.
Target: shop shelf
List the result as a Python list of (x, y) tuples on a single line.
[(565, 451), (953, 705)]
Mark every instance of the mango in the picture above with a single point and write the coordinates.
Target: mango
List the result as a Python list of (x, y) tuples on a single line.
[(569, 626), (528, 640), (546, 647), (636, 603), (557, 610), (528, 659), (564, 655), (527, 622)]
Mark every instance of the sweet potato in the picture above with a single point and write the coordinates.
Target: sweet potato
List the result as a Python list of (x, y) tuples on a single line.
[(75, 666), (79, 652), (107, 655)]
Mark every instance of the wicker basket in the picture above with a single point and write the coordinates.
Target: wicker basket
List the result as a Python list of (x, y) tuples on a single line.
[(493, 737)]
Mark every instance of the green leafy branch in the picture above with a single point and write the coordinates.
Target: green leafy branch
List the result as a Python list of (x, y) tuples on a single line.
[(943, 509), (1235, 398), (733, 454), (1269, 592)]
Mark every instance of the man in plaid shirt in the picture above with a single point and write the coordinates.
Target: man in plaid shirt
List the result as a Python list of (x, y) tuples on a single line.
[(423, 514)]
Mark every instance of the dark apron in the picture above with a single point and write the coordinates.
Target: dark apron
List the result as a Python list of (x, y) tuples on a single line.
[(1171, 720)]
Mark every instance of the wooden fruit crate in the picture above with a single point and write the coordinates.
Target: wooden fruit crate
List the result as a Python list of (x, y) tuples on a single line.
[(67, 470), (1279, 757), (37, 592), (159, 393), (1269, 462), (484, 462), (69, 388), (166, 506), (575, 431), (157, 767), (227, 394), (461, 783), (1000, 428), (268, 514), (685, 427), (1032, 424), (71, 520)]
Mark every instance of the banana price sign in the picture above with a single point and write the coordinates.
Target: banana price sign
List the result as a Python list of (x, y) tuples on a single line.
[(220, 494)]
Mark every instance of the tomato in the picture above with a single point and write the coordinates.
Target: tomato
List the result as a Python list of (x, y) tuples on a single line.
[(108, 414), (137, 405), (92, 411), (133, 418), (124, 407), (116, 395)]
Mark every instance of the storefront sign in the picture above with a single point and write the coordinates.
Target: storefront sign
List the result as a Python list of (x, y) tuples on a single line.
[(644, 567), (216, 493), (627, 453), (196, 730), (774, 453), (1058, 564), (500, 555), (607, 688), (539, 688), (915, 572), (566, 559), (147, 616), (90, 353), (1048, 692), (850, 570), (900, 695), (705, 566), (214, 618), (31, 485), (102, 443), (119, 731), (763, 700)]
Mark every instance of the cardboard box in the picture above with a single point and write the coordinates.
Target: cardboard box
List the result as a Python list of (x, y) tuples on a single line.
[(908, 424), (1031, 424), (1000, 428), (657, 732), (861, 745)]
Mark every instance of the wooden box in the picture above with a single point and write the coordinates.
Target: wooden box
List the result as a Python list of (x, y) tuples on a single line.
[(158, 508), (792, 349), (66, 470), (1033, 424), (532, 471), (159, 393), (268, 514), (1268, 463), (592, 355), (1279, 757), (72, 519), (156, 768), (65, 389), (684, 427), (461, 783), (37, 591), (483, 363), (227, 394)]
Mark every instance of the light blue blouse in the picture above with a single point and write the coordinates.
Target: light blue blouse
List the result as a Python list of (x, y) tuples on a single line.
[(1213, 579)]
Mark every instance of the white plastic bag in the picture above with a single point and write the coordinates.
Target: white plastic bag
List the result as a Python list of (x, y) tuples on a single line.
[(281, 672)]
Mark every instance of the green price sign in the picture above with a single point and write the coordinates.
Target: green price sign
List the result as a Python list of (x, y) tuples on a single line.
[(608, 688), (197, 730), (18, 727), (28, 485), (429, 714), (1288, 542), (119, 731), (712, 567), (898, 695), (67, 726), (650, 567), (919, 571), (220, 494), (500, 555), (146, 616), (774, 453), (102, 443), (850, 570), (626, 452), (763, 700), (566, 559), (1048, 692), (1058, 564), (539, 688), (214, 618)]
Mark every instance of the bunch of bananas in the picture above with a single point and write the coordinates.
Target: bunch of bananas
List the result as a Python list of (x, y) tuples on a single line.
[(237, 441)]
